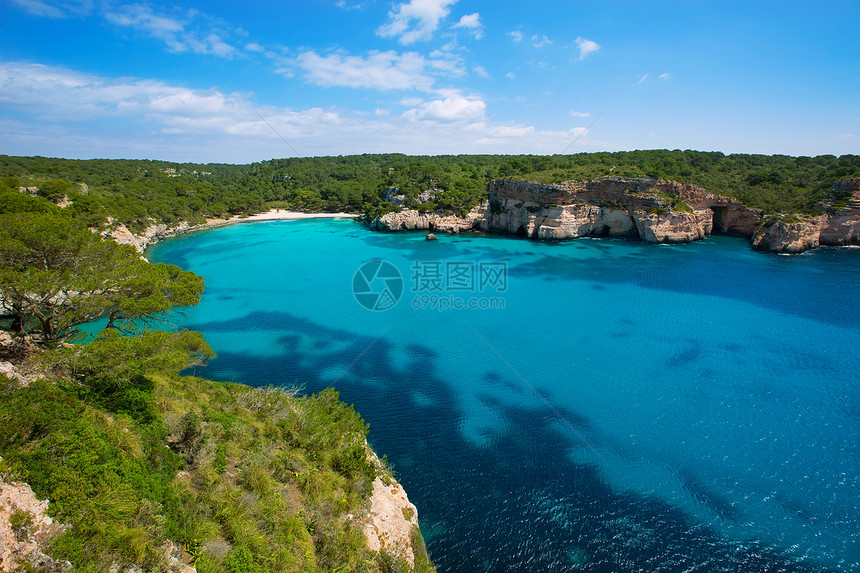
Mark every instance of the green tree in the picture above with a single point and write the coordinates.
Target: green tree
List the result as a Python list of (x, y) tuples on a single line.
[(56, 275)]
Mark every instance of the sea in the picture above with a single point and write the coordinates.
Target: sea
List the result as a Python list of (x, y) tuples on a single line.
[(591, 405)]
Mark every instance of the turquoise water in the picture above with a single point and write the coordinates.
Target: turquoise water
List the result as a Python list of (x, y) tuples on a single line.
[(631, 407)]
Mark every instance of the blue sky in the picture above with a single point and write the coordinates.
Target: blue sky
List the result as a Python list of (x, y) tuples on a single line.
[(229, 81)]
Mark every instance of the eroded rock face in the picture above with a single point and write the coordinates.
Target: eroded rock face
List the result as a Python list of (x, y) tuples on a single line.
[(614, 207), (391, 520), (843, 226), (149, 236), (674, 226), (412, 220), (789, 234)]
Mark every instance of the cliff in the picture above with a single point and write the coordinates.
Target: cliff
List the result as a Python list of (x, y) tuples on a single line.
[(651, 210), (260, 478)]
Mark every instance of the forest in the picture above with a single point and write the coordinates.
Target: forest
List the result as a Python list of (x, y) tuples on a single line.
[(137, 192)]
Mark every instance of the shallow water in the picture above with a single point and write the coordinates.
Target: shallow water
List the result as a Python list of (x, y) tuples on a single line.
[(631, 407)]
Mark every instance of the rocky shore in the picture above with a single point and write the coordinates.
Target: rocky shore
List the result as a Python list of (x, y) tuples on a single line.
[(651, 210)]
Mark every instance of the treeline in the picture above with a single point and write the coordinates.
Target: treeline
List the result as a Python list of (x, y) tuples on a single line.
[(135, 192)]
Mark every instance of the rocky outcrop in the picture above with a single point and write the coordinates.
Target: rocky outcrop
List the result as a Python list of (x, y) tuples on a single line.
[(26, 530), (149, 236), (673, 226), (843, 225), (390, 521), (652, 210), (412, 220), (788, 234)]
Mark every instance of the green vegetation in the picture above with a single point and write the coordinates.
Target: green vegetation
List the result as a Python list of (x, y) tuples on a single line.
[(56, 275), (253, 480), (136, 192), (131, 454)]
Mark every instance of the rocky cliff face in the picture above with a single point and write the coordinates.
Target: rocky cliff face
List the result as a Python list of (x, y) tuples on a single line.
[(412, 220), (843, 225), (652, 210), (788, 234)]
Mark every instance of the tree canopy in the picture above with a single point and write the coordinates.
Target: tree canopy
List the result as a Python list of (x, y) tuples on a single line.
[(55, 275)]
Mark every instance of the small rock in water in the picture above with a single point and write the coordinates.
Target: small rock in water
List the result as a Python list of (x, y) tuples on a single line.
[(430, 237)]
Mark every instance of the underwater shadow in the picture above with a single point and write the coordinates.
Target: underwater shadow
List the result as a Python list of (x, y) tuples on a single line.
[(520, 505)]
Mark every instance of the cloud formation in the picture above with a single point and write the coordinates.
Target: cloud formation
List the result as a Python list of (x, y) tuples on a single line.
[(56, 9), (540, 40), (153, 118), (472, 22), (173, 31), (454, 107), (378, 70), (586, 47), (415, 20)]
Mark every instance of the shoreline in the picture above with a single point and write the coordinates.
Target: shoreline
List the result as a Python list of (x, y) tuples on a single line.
[(154, 234)]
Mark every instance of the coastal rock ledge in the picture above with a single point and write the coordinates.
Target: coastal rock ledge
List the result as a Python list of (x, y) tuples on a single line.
[(651, 210)]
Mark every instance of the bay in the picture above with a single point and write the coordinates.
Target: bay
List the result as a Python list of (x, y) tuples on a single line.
[(605, 406)]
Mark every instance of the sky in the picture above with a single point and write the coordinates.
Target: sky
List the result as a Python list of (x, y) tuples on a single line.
[(236, 82)]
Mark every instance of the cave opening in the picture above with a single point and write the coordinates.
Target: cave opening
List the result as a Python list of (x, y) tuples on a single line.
[(721, 220)]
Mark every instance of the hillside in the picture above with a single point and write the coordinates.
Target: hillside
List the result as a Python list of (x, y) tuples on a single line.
[(144, 468), (139, 192)]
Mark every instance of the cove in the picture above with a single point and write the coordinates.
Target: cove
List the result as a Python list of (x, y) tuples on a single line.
[(628, 407)]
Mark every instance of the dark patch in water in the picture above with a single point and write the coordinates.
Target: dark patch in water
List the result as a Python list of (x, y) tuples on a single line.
[(684, 357), (716, 503), (519, 506)]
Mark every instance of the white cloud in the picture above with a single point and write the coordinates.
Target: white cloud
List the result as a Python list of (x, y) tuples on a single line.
[(415, 20), (55, 8), (379, 70), (173, 31), (67, 113), (254, 47), (580, 114), (665, 76), (586, 47), (342, 4), (516, 36), (446, 61), (510, 75), (540, 40), (641, 79), (454, 107), (481, 71), (472, 22)]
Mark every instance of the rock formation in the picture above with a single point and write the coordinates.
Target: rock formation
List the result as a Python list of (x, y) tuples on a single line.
[(652, 210), (390, 521), (26, 530)]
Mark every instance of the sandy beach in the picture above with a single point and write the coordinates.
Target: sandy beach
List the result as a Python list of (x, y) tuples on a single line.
[(282, 214)]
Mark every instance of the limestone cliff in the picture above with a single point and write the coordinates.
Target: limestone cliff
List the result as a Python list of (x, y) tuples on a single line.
[(652, 210), (788, 234), (412, 220)]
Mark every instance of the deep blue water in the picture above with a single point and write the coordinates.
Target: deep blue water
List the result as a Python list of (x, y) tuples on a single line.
[(632, 407)]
